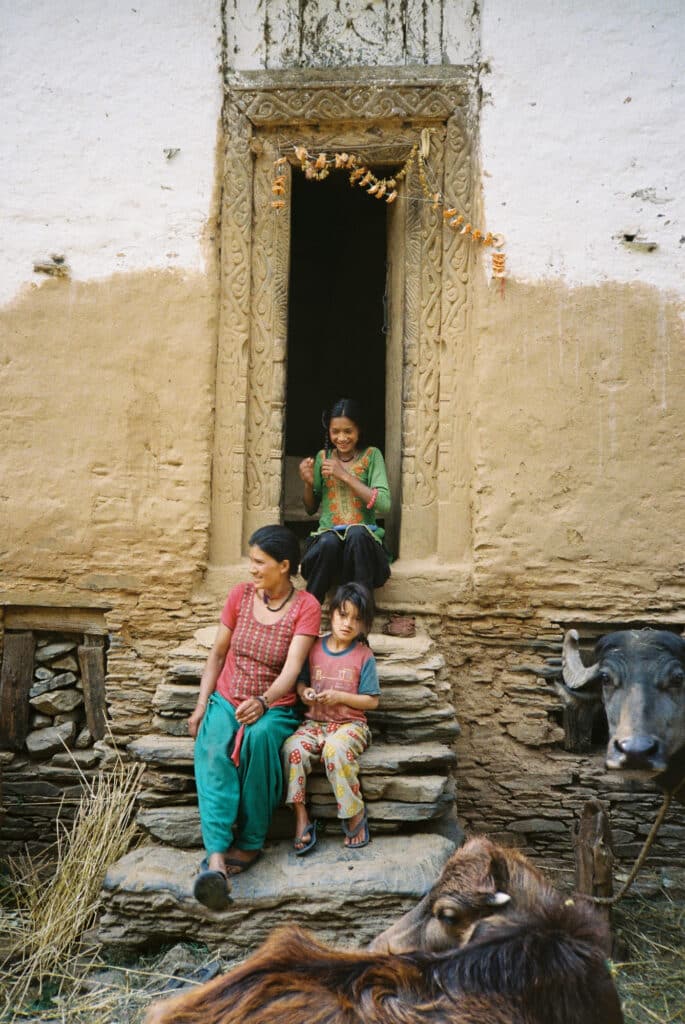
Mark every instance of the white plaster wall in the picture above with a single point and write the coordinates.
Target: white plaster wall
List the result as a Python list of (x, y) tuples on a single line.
[(92, 93), (582, 123), (277, 34), (583, 136)]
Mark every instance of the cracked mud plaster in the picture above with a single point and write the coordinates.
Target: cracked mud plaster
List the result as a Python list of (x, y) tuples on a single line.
[(108, 395), (578, 398)]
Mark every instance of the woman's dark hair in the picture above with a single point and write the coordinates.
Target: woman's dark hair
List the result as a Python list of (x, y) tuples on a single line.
[(360, 597), (348, 407), (280, 543)]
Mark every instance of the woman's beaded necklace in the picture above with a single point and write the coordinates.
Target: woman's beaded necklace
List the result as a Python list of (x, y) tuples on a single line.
[(266, 599)]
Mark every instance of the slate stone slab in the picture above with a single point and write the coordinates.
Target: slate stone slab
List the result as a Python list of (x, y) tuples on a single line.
[(50, 651), (49, 741), (57, 702), (343, 896), (177, 751)]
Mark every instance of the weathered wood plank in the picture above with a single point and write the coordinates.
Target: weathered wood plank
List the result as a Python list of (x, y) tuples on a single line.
[(593, 851), (15, 683), (91, 656)]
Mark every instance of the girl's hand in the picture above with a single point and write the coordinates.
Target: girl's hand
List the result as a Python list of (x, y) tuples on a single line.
[(249, 711), (309, 696), (331, 697), (307, 471), (195, 718), (334, 467)]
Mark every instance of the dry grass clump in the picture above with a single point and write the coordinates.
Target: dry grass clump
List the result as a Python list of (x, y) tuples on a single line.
[(651, 979), (40, 933)]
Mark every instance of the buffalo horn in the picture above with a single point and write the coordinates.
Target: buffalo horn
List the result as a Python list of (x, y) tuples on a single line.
[(575, 674)]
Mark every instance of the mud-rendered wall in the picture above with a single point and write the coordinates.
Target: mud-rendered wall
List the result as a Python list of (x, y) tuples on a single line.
[(570, 384), (107, 350)]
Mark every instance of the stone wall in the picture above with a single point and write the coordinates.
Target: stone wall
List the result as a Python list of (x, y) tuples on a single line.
[(52, 697), (515, 779)]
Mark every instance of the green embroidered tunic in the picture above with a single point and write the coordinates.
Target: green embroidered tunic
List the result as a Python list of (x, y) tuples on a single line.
[(340, 507)]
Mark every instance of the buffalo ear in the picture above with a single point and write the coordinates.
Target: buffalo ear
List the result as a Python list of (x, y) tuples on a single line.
[(499, 872)]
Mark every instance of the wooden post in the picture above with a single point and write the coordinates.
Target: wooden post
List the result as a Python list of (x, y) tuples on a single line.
[(15, 682), (593, 852), (91, 656)]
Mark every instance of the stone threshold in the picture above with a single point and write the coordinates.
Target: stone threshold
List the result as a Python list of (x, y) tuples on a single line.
[(343, 896)]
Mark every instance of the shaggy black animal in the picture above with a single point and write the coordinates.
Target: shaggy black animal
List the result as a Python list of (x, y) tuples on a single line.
[(543, 965)]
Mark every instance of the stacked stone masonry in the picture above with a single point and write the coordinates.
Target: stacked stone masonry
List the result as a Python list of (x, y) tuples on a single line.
[(517, 781), (51, 727), (406, 773)]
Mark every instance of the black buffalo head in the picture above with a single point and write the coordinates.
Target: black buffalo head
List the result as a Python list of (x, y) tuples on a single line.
[(639, 675)]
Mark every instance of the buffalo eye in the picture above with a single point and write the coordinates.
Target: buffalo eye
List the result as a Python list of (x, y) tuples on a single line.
[(447, 911), (607, 680)]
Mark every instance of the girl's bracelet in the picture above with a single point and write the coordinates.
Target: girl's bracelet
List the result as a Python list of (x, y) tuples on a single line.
[(372, 500)]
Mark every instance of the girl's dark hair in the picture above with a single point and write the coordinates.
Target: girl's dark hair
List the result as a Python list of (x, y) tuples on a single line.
[(348, 407), (362, 599), (280, 543)]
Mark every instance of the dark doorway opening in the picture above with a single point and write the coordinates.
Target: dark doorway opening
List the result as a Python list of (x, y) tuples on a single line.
[(336, 312), (336, 317)]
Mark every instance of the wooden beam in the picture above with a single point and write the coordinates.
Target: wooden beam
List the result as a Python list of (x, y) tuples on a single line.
[(91, 656), (15, 682)]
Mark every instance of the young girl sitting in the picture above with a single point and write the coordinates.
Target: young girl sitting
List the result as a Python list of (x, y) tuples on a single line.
[(349, 482), (338, 684)]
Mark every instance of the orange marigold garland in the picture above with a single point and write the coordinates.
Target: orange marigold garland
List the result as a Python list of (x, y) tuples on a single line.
[(316, 168)]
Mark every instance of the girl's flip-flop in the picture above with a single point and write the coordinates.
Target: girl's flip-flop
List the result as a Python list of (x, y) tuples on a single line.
[(352, 833), (212, 888), (310, 831)]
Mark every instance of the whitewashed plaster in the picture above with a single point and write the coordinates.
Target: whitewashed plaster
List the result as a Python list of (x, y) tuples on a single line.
[(277, 34), (92, 93), (581, 125), (583, 137)]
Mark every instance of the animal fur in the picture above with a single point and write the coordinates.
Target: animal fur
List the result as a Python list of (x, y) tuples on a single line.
[(537, 965)]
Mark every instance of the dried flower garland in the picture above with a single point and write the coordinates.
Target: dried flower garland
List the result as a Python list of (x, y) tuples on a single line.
[(317, 168)]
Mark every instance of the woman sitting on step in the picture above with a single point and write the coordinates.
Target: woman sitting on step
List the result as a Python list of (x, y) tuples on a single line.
[(245, 709)]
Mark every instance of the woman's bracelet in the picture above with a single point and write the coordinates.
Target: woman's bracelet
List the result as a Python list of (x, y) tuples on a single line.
[(201, 704), (263, 702), (372, 500)]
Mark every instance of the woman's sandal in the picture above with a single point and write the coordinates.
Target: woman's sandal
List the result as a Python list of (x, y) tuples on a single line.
[(308, 830), (352, 833), (212, 888)]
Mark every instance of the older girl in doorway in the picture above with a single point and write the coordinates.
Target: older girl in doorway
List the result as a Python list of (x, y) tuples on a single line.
[(349, 484)]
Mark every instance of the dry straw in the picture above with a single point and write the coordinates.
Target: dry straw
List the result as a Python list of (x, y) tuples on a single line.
[(651, 979), (41, 934)]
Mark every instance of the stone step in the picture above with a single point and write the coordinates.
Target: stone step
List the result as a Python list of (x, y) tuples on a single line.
[(407, 788), (402, 786), (178, 698), (381, 758), (178, 823), (345, 897)]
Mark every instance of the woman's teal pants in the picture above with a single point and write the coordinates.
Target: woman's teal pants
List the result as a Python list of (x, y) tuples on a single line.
[(244, 796)]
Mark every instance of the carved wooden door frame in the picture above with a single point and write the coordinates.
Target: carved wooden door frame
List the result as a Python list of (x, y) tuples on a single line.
[(385, 110)]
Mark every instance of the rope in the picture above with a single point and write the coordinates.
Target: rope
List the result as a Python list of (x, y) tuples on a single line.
[(609, 901)]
